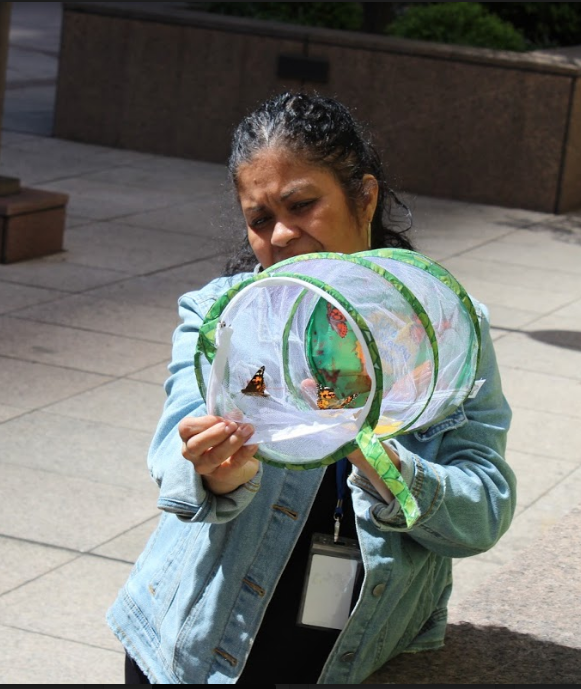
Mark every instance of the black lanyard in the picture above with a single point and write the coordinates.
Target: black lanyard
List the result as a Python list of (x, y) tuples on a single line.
[(341, 477)]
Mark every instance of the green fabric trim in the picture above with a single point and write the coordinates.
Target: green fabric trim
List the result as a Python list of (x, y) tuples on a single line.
[(376, 455)]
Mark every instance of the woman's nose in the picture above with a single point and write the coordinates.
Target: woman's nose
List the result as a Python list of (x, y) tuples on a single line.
[(283, 233)]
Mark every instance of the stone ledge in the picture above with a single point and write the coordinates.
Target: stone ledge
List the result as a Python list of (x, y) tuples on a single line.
[(469, 124), (174, 14)]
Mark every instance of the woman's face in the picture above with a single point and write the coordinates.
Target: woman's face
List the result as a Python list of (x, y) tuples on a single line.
[(293, 208)]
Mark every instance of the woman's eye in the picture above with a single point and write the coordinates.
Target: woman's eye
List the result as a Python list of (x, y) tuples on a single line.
[(301, 205), (258, 223)]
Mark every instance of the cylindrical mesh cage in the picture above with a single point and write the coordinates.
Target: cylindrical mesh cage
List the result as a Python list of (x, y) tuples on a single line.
[(317, 347)]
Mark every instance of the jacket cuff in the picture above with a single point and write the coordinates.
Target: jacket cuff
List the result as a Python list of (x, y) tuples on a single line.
[(381, 510), (214, 509)]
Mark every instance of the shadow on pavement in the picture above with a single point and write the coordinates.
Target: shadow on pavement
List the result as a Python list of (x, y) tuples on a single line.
[(485, 655)]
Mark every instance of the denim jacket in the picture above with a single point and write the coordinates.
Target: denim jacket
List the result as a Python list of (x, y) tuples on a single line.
[(195, 597)]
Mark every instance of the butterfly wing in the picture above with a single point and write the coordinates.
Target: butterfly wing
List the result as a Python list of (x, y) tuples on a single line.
[(347, 400), (337, 320), (327, 399), (256, 385)]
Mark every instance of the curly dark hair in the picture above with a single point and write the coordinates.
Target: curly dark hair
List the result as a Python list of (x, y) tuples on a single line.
[(323, 132)]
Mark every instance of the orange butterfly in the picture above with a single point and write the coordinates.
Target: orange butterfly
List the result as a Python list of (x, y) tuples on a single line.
[(327, 399), (256, 385), (337, 320)]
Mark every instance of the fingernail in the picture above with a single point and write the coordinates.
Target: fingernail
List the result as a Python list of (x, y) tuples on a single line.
[(246, 430)]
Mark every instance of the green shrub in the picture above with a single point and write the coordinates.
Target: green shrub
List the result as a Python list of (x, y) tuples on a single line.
[(461, 23), (544, 24), (332, 15), (502, 25)]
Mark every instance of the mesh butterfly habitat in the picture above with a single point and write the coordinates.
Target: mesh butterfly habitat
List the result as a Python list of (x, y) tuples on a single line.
[(325, 353)]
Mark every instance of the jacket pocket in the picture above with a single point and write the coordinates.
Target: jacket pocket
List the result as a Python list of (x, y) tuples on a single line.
[(455, 420)]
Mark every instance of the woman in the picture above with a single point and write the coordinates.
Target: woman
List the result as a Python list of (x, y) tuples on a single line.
[(216, 594)]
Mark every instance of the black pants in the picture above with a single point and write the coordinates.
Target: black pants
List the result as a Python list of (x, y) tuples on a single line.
[(134, 675)]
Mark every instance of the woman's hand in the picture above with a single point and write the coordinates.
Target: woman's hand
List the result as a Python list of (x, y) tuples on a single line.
[(216, 448), (358, 459)]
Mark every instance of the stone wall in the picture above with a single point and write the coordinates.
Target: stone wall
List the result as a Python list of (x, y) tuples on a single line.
[(463, 123)]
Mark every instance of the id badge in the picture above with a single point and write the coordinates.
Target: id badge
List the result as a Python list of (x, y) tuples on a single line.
[(332, 572)]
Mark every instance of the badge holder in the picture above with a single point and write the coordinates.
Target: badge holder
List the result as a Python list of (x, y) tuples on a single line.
[(329, 591), (333, 570)]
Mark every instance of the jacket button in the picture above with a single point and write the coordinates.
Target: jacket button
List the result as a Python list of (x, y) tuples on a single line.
[(348, 657), (378, 590)]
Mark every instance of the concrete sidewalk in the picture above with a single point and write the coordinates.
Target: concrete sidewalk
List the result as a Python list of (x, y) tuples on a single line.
[(85, 337)]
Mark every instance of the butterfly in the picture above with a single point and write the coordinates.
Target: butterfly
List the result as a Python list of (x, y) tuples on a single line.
[(327, 399), (256, 385), (337, 320)]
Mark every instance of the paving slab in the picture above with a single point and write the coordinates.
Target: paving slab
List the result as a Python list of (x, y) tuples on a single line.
[(28, 386), (69, 512), (77, 349), (24, 562), (112, 316), (14, 297), (34, 658), (68, 602), (121, 403)]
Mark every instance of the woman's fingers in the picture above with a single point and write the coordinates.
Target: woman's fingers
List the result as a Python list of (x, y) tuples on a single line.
[(193, 425), (209, 441), (309, 390), (245, 453), (216, 448), (213, 457)]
